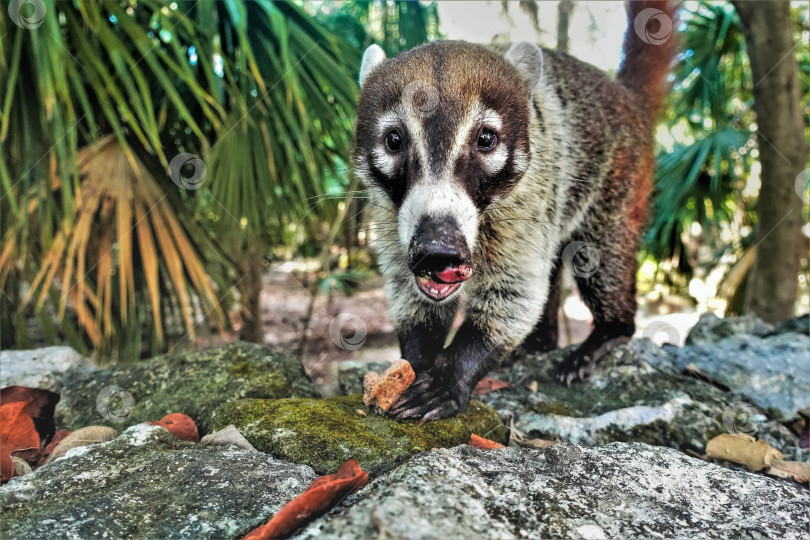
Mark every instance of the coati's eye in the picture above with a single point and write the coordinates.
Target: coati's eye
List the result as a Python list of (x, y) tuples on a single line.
[(393, 141), (486, 139)]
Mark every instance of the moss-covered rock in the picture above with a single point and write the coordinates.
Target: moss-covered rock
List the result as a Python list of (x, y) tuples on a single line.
[(324, 433), (193, 383)]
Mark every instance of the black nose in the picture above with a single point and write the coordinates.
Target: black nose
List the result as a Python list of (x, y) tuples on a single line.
[(437, 244)]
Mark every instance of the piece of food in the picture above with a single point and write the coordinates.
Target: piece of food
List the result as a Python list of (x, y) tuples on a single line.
[(384, 390)]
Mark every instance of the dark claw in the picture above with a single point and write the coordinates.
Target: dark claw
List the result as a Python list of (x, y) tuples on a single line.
[(575, 368)]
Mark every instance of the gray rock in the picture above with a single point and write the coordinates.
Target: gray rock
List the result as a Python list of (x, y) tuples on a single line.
[(193, 383), (566, 491), (796, 325), (772, 372), (352, 372), (711, 328), (48, 368), (625, 399), (637, 393), (148, 484)]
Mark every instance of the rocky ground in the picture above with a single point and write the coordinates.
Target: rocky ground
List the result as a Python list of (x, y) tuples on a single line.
[(630, 463)]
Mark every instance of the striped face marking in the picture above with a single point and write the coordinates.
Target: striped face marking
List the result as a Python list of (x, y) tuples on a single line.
[(442, 130)]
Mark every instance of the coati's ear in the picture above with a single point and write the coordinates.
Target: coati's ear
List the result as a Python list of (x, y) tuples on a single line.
[(528, 59), (372, 58)]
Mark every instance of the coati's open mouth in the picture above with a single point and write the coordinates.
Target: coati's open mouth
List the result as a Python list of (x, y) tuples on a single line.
[(442, 284)]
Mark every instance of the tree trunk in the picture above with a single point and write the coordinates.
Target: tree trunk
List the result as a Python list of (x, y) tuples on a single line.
[(564, 9), (782, 153), (251, 289)]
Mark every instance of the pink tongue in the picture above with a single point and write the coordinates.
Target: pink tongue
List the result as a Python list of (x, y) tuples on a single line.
[(454, 274)]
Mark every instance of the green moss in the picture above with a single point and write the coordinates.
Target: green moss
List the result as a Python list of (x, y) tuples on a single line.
[(324, 433), (192, 383)]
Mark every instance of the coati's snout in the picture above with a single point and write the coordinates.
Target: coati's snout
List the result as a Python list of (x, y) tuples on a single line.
[(439, 257)]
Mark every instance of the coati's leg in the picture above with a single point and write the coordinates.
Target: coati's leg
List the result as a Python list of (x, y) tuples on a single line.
[(498, 317), (609, 291), (545, 334), (421, 342)]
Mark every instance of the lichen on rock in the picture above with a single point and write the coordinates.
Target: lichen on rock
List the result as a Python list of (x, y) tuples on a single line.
[(148, 484), (324, 433)]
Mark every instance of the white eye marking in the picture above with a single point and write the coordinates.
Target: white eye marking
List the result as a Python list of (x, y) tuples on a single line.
[(383, 160), (495, 160)]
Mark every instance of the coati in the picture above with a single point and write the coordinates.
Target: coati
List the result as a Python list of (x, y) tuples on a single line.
[(483, 164)]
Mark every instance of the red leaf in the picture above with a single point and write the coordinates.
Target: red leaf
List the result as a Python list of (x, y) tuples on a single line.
[(179, 425), (321, 496), (488, 385), (59, 437), (483, 444), (17, 432), (40, 406)]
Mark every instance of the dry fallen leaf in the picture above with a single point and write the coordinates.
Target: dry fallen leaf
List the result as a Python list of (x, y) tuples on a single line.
[(488, 385), (743, 449), (227, 436), (179, 425), (17, 432), (21, 467), (483, 444), (518, 438), (83, 437), (321, 496), (361, 412), (384, 390), (797, 470), (39, 405)]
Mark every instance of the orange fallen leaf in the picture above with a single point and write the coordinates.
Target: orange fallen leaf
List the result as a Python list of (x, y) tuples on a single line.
[(321, 496), (483, 444), (40, 405), (179, 425), (17, 432), (488, 385), (384, 390)]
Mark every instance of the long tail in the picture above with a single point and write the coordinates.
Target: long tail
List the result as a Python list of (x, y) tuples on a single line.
[(649, 49)]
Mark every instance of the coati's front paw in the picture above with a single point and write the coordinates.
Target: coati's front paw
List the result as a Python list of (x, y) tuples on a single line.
[(432, 395), (602, 340), (575, 367)]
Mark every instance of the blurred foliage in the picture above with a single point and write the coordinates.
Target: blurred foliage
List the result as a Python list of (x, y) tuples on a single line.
[(703, 205), (395, 25), (98, 100)]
